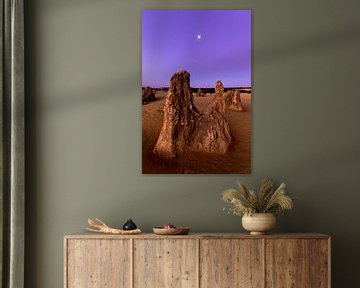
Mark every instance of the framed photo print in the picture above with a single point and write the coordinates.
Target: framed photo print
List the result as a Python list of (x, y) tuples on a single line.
[(196, 91)]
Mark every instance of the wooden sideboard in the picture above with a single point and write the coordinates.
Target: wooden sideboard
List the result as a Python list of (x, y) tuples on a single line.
[(197, 260)]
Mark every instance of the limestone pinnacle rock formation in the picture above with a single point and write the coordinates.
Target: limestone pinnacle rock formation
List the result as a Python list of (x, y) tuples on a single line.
[(219, 87), (233, 100), (184, 128), (148, 95)]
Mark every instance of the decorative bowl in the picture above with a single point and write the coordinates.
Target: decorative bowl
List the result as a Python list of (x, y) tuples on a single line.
[(171, 231)]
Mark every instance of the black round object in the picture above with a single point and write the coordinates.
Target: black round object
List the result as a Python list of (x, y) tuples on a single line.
[(129, 225)]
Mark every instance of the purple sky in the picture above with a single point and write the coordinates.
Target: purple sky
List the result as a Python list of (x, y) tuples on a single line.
[(210, 44)]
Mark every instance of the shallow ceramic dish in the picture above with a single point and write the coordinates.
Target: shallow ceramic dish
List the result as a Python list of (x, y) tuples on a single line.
[(171, 231)]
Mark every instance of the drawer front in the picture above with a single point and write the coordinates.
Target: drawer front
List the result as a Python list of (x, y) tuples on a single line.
[(98, 263), (230, 263), (165, 263)]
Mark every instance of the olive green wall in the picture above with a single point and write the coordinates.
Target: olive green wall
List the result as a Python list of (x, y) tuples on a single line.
[(83, 72)]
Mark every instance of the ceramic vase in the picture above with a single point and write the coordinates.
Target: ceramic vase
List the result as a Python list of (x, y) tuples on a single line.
[(259, 223)]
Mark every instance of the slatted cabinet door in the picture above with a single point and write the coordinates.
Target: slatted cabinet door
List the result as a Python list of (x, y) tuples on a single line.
[(231, 263), (98, 263), (165, 263)]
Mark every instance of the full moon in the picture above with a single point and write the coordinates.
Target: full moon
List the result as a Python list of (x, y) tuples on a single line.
[(199, 37)]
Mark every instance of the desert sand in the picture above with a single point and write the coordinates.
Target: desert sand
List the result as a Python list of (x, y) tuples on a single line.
[(237, 160)]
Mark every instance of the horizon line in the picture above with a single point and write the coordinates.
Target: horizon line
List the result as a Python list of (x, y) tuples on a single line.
[(211, 87)]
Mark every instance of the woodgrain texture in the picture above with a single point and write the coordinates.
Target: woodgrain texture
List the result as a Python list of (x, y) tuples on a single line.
[(319, 263), (231, 263), (98, 264), (88, 235), (165, 263), (197, 260), (287, 263)]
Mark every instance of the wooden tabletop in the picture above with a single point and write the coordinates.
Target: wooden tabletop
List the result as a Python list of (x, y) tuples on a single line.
[(89, 235)]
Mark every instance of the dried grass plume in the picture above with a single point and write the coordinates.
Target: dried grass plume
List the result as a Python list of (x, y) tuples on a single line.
[(267, 200)]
